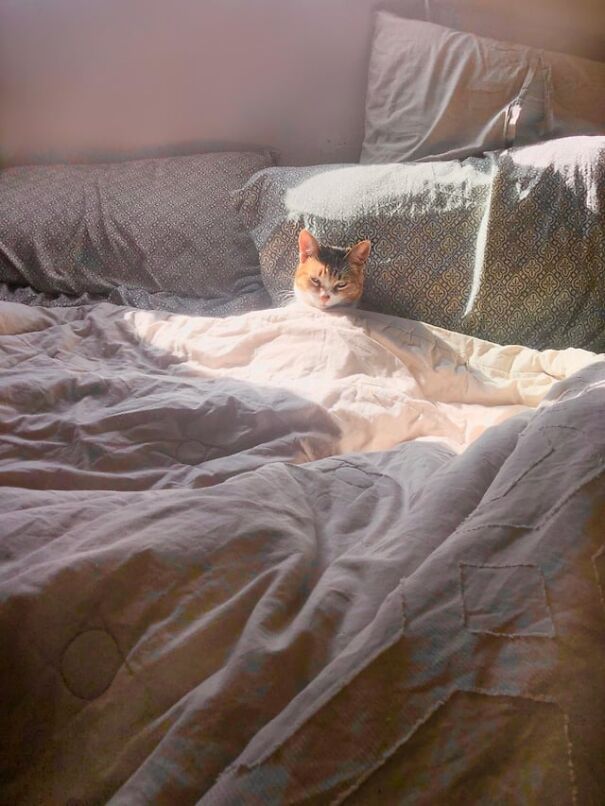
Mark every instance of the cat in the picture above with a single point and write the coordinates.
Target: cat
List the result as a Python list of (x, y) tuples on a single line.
[(329, 276)]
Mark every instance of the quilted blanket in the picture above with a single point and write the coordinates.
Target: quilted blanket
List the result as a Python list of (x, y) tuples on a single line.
[(297, 557)]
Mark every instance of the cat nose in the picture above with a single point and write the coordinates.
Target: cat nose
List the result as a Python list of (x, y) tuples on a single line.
[(323, 296)]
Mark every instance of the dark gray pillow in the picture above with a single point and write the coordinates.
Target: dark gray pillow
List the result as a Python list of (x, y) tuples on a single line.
[(166, 227), (509, 247)]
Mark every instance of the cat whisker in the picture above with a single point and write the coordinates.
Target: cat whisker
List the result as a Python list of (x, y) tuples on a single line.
[(284, 297)]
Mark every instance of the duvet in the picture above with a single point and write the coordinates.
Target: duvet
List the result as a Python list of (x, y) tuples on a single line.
[(297, 557)]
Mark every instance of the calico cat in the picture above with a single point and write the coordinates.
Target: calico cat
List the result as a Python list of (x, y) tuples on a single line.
[(329, 276)]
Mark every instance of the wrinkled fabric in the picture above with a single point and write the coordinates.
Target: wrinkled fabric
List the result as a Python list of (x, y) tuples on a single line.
[(435, 93), (296, 556), (150, 233), (251, 300)]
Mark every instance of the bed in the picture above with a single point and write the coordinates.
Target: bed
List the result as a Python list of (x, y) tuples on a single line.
[(256, 553)]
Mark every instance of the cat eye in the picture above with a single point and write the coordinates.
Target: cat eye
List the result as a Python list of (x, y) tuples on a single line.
[(315, 281), (340, 286)]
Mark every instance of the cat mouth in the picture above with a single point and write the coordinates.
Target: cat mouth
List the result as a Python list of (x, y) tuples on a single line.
[(315, 302), (327, 303)]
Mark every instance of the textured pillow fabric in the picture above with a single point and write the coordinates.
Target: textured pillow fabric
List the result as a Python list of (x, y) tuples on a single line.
[(435, 93), (541, 278), (510, 248), (422, 220), (154, 229)]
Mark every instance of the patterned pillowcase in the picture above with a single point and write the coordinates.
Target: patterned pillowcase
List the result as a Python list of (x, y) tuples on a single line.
[(504, 247), (422, 221), (541, 277), (159, 229)]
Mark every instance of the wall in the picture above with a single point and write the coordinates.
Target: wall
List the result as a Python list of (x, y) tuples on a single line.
[(106, 78)]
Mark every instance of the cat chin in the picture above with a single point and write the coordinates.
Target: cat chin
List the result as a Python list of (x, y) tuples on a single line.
[(307, 299), (333, 306)]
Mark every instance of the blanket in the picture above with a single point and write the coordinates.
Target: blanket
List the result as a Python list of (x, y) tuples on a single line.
[(297, 557)]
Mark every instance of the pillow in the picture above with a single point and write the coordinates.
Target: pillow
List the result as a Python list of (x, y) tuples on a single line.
[(422, 221), (441, 94), (435, 93), (541, 279), (575, 95), (166, 227), (507, 247)]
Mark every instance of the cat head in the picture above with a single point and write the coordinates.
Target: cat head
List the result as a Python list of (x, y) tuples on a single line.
[(327, 276)]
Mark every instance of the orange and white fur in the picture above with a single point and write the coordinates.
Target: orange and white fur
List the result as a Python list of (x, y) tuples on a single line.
[(329, 276)]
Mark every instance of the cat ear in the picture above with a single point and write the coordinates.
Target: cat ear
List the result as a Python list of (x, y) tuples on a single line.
[(307, 245), (359, 253)]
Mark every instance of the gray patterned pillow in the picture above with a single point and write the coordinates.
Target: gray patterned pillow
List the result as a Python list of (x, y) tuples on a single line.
[(154, 229), (422, 221), (541, 279), (510, 248)]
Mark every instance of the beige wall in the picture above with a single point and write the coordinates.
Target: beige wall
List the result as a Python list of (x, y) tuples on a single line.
[(120, 77)]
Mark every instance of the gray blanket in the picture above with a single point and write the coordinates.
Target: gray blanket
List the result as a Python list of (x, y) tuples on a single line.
[(295, 557)]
